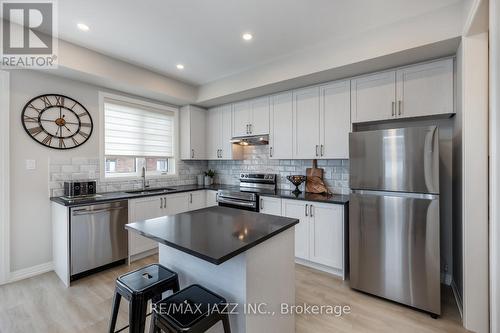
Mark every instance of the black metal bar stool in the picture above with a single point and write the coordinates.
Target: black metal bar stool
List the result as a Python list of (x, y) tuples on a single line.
[(138, 287), (194, 309)]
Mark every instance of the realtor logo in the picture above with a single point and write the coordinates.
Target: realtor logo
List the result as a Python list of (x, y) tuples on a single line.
[(28, 34)]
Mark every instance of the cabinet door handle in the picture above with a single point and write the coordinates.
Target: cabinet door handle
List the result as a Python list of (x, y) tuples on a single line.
[(399, 106), (311, 210), (192, 153), (317, 150), (190, 197), (250, 128), (247, 128), (322, 150), (393, 112), (161, 203), (261, 203), (271, 152), (306, 209), (221, 153)]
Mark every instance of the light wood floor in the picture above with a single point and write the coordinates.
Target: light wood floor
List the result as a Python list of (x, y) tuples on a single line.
[(43, 304)]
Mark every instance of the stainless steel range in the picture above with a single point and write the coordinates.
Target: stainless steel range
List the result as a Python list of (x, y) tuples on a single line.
[(247, 196)]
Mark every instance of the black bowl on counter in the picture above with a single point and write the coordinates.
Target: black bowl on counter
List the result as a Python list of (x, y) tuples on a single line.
[(296, 180)]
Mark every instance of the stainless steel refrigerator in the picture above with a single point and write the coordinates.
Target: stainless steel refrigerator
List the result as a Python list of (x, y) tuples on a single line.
[(394, 215)]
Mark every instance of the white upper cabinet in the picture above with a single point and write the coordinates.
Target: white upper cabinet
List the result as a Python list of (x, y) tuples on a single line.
[(251, 117), (425, 90), (192, 133), (281, 130), (219, 133), (228, 150), (373, 97), (260, 116), (335, 119), (306, 123), (213, 134), (241, 118), (415, 91)]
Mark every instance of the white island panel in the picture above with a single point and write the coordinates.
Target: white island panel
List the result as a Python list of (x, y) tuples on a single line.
[(264, 274)]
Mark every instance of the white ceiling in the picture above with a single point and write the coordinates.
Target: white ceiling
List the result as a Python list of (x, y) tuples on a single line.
[(205, 35)]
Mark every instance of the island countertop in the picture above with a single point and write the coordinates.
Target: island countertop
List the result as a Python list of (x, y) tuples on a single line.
[(215, 234)]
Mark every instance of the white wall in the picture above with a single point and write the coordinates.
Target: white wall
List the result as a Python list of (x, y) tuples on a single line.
[(430, 28), (4, 176), (494, 27), (30, 226), (475, 182), (30, 223)]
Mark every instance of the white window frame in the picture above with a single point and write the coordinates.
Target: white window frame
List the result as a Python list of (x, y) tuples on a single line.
[(103, 96)]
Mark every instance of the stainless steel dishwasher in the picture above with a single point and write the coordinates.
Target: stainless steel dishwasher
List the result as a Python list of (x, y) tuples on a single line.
[(98, 236)]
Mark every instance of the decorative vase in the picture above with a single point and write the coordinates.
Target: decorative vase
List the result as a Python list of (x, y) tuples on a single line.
[(208, 180)]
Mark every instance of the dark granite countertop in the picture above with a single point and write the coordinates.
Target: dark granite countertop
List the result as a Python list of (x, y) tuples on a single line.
[(333, 198), (123, 195), (215, 234)]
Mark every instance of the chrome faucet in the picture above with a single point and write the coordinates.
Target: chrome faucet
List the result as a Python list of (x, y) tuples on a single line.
[(145, 184)]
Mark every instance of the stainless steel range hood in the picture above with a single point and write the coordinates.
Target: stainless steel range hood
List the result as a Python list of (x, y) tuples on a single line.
[(254, 140)]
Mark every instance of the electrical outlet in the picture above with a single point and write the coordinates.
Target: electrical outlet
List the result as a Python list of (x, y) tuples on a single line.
[(30, 164)]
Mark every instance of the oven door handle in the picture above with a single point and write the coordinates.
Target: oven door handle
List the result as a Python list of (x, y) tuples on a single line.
[(236, 202)]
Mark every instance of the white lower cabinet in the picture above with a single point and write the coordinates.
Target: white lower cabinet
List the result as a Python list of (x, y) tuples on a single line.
[(139, 210), (298, 210), (326, 234), (185, 202), (197, 200), (152, 207), (268, 205), (211, 197), (319, 236)]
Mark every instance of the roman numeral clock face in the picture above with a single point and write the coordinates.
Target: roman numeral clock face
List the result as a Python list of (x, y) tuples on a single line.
[(57, 121)]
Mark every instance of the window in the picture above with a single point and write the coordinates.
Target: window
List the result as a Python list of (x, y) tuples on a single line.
[(137, 135)]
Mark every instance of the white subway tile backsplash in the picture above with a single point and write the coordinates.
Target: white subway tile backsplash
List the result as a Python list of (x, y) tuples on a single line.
[(336, 172), (82, 168)]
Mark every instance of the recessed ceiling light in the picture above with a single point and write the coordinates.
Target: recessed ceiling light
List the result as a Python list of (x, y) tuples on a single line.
[(83, 27), (180, 66), (247, 36)]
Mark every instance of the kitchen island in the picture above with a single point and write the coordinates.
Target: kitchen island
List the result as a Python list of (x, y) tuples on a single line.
[(246, 257)]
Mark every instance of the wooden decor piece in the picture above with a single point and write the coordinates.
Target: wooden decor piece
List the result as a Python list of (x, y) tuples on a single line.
[(314, 181)]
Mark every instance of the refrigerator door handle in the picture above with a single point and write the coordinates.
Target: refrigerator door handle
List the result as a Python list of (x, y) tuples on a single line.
[(427, 196)]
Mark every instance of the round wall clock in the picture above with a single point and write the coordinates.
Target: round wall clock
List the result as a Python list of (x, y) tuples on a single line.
[(57, 121)]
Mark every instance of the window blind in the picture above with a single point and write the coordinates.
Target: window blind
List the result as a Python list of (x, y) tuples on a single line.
[(134, 130)]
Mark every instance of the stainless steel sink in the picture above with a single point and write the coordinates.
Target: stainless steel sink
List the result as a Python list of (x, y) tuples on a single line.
[(151, 190)]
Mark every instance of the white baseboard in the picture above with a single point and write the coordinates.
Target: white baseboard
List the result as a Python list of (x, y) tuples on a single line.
[(144, 254), (458, 299), (319, 267), (30, 271)]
